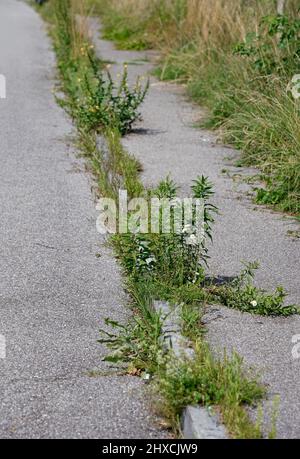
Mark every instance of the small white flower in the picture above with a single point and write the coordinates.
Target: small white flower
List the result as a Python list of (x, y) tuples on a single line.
[(254, 303), (146, 376), (150, 260), (192, 240)]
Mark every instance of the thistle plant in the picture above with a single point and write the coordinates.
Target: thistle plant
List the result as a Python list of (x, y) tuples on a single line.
[(105, 104)]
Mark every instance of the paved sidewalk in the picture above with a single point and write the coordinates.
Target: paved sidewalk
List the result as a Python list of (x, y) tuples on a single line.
[(54, 291)]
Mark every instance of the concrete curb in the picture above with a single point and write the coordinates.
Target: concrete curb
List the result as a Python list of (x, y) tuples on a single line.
[(172, 337), (199, 423), (196, 422)]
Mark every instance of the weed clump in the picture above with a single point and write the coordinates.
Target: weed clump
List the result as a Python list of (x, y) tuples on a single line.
[(94, 100)]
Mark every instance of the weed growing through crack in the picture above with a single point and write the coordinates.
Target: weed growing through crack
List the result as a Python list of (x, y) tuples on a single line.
[(102, 104), (174, 258), (93, 99), (211, 382), (137, 343)]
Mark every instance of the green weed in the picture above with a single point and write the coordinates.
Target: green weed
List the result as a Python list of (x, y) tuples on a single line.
[(137, 343), (242, 294), (211, 382)]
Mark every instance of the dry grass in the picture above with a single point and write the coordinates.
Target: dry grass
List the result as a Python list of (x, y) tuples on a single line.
[(211, 22)]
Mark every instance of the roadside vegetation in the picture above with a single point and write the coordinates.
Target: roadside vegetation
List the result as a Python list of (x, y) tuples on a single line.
[(238, 58), (170, 267)]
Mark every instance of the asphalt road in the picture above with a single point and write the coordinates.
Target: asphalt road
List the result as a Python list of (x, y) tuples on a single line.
[(167, 142), (54, 291)]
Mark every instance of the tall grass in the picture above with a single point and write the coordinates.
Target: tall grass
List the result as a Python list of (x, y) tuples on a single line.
[(215, 23), (251, 109)]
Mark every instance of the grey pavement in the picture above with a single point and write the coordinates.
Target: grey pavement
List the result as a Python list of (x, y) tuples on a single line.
[(54, 291), (166, 142)]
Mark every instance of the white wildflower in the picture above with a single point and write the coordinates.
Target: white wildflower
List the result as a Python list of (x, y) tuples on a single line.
[(150, 260), (146, 376), (254, 303), (192, 240)]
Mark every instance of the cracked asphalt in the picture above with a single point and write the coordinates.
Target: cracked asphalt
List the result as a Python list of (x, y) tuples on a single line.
[(166, 142), (54, 291)]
